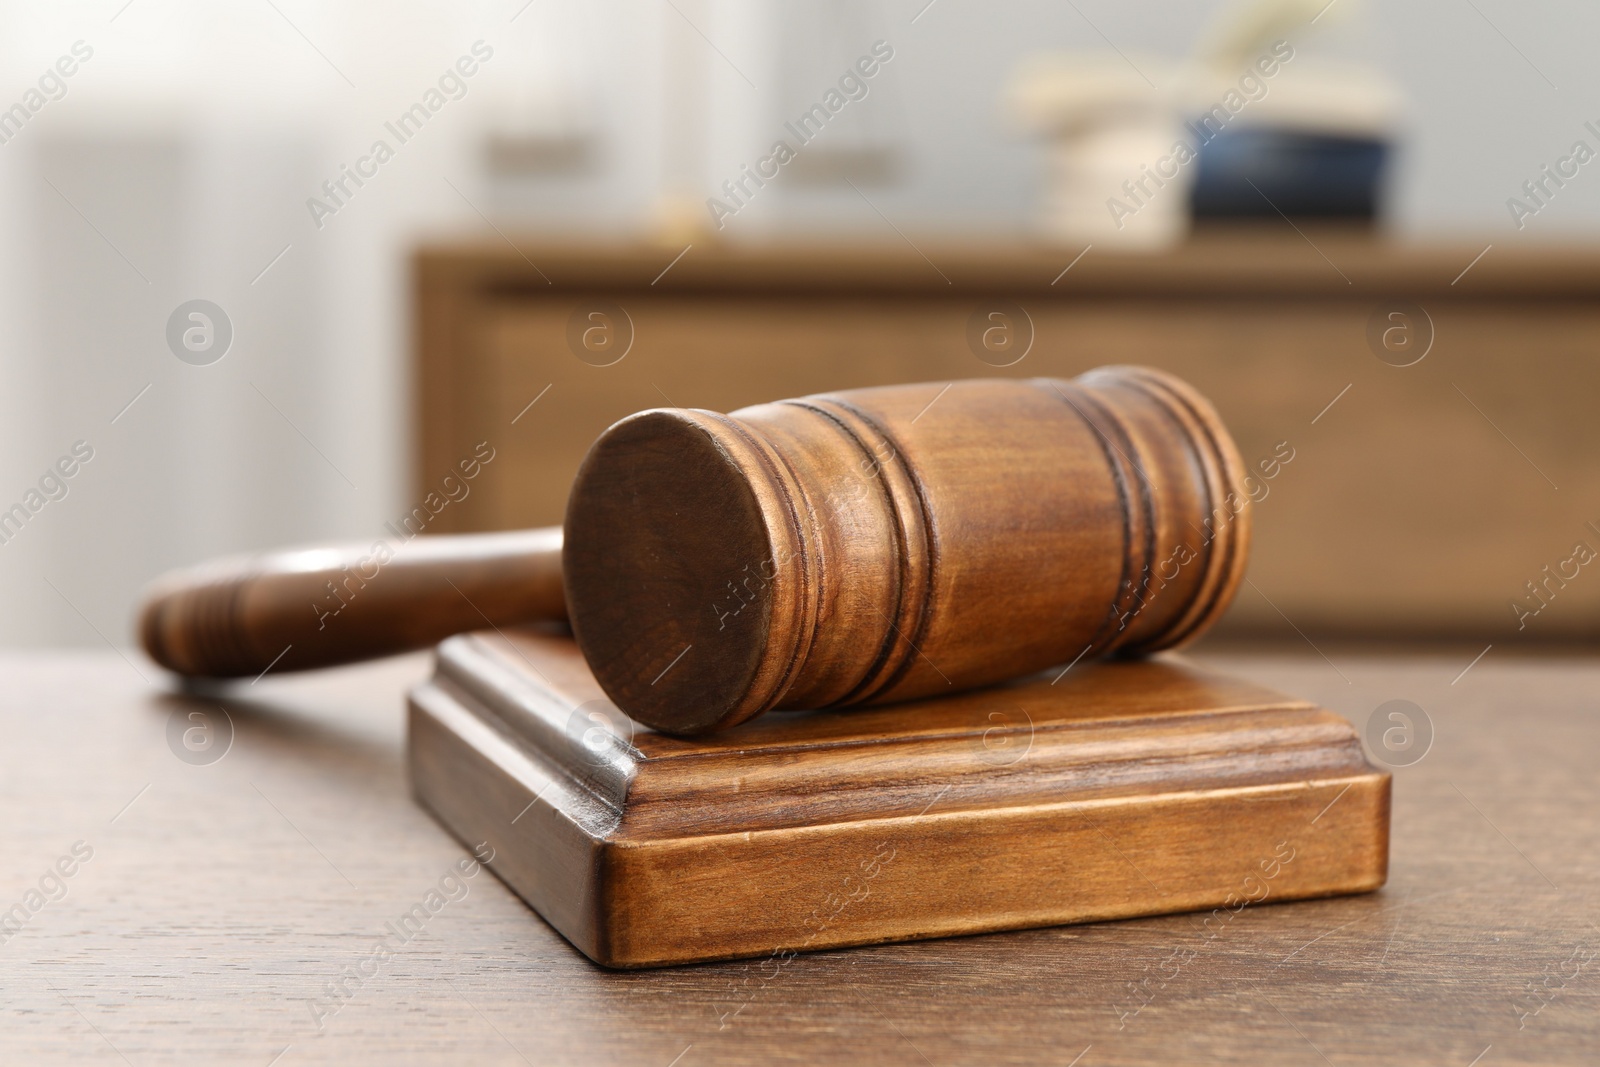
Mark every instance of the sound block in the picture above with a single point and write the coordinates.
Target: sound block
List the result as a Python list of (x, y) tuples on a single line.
[(1117, 789)]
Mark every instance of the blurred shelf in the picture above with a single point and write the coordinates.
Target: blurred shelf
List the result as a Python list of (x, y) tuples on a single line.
[(1233, 260), (1421, 500)]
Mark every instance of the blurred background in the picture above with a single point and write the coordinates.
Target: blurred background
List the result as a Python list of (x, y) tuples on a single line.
[(1366, 230)]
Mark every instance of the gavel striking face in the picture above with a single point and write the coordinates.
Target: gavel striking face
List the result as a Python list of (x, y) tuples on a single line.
[(856, 547)]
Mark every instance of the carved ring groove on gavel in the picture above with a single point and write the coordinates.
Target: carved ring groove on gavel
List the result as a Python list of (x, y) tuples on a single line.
[(864, 546)]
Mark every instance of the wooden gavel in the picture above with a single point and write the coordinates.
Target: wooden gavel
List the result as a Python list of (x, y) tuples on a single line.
[(856, 547)]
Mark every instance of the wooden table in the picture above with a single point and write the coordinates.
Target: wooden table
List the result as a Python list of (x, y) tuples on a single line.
[(222, 899)]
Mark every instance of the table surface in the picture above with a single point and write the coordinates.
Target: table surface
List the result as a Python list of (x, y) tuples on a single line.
[(221, 900)]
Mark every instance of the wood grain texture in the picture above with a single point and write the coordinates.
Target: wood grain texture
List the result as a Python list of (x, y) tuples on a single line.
[(861, 557), (214, 907), (964, 814), (884, 544), (1404, 513), (310, 607)]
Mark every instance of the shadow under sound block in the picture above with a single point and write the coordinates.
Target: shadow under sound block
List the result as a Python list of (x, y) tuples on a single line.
[(1117, 789)]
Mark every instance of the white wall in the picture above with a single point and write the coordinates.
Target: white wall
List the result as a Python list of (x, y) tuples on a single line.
[(189, 143)]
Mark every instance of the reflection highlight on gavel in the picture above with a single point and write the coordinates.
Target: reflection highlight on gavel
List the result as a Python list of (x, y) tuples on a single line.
[(864, 546)]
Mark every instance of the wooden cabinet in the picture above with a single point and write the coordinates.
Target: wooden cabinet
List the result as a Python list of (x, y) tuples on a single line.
[(1418, 504)]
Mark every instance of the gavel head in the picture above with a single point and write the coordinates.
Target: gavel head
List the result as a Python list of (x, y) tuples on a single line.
[(884, 544)]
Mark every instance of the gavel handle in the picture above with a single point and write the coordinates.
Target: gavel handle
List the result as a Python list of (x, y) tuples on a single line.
[(316, 607)]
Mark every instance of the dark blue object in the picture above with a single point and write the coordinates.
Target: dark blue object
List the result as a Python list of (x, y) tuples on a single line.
[(1259, 172)]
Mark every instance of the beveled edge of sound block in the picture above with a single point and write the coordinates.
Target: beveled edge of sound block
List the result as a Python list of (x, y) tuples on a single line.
[(1124, 789)]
